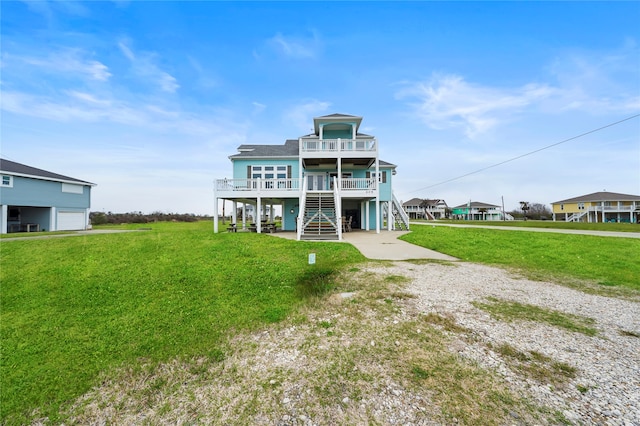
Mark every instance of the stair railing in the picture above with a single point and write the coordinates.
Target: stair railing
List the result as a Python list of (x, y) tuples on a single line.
[(398, 207)]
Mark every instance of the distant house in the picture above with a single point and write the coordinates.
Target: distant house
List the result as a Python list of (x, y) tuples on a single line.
[(325, 183), (475, 210), (418, 208), (598, 207), (32, 199)]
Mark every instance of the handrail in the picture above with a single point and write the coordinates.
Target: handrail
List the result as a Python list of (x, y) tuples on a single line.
[(403, 214), (338, 205), (333, 145), (300, 219), (234, 185)]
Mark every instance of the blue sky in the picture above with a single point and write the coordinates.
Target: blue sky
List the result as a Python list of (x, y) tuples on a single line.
[(148, 99)]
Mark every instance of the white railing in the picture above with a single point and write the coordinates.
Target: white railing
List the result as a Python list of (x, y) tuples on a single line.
[(335, 145), (398, 206), (293, 185), (338, 203), (613, 208), (234, 185), (358, 184)]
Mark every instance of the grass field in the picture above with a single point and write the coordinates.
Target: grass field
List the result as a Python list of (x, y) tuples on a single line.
[(548, 224), (605, 261), (75, 309)]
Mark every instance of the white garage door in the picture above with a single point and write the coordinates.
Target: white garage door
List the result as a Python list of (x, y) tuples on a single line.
[(70, 221)]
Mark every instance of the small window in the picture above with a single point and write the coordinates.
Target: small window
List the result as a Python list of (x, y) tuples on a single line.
[(257, 168), (268, 168), (282, 168), (7, 180), (580, 206), (561, 206), (72, 189), (282, 175)]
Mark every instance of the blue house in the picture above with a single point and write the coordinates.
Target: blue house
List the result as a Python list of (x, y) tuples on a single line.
[(326, 183), (32, 199)]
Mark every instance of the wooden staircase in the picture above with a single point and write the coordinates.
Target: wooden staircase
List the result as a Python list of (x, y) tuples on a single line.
[(401, 220), (320, 221)]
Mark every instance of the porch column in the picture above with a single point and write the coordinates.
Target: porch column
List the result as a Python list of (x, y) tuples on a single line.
[(389, 215), (258, 218), (366, 215), (244, 216), (378, 194), (234, 214), (52, 219), (3, 218)]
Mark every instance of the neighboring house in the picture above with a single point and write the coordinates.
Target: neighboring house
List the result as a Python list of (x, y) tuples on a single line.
[(322, 181), (418, 208), (37, 200), (598, 207), (475, 210)]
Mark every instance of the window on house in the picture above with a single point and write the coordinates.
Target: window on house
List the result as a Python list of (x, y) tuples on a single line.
[(381, 179), (7, 180), (580, 206), (561, 206)]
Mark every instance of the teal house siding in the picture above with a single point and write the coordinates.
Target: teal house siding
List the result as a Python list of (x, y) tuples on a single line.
[(335, 153), (33, 199), (42, 193)]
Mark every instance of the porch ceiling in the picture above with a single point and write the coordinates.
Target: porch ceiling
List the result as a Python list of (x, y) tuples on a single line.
[(352, 163)]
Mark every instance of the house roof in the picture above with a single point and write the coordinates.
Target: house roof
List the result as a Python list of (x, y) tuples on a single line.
[(335, 119), (18, 169), (600, 196), (418, 201), (475, 205), (290, 149)]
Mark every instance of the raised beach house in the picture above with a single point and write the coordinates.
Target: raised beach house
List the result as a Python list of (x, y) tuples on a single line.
[(328, 182), (598, 207)]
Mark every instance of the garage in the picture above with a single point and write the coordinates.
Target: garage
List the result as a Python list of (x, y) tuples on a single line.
[(71, 221)]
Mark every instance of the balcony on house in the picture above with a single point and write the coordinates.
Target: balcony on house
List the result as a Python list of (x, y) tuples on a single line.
[(335, 148), (292, 187)]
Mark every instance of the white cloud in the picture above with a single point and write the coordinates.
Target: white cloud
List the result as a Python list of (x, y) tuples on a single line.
[(296, 47), (63, 62), (447, 101), (143, 65), (302, 115)]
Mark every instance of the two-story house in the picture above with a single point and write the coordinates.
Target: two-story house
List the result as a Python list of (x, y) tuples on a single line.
[(598, 207), (325, 183), (33, 199), (476, 210), (419, 208)]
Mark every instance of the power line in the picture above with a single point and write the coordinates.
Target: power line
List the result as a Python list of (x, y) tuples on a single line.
[(524, 155)]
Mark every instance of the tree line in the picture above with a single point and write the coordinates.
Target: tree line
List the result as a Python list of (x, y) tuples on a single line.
[(101, 218)]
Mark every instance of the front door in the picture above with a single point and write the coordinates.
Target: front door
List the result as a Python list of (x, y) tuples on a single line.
[(316, 181)]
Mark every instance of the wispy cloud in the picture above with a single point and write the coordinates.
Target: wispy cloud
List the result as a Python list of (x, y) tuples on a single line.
[(447, 101), (598, 82), (64, 61), (302, 115), (144, 66), (296, 47)]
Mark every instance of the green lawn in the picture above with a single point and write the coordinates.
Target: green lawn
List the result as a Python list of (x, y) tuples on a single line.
[(73, 309), (76, 307), (617, 227), (608, 261)]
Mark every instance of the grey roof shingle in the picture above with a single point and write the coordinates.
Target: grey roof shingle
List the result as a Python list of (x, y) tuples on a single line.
[(600, 196), (289, 149), (10, 167)]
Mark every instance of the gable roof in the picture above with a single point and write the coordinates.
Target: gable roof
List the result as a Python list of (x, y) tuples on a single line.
[(18, 169), (600, 196)]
